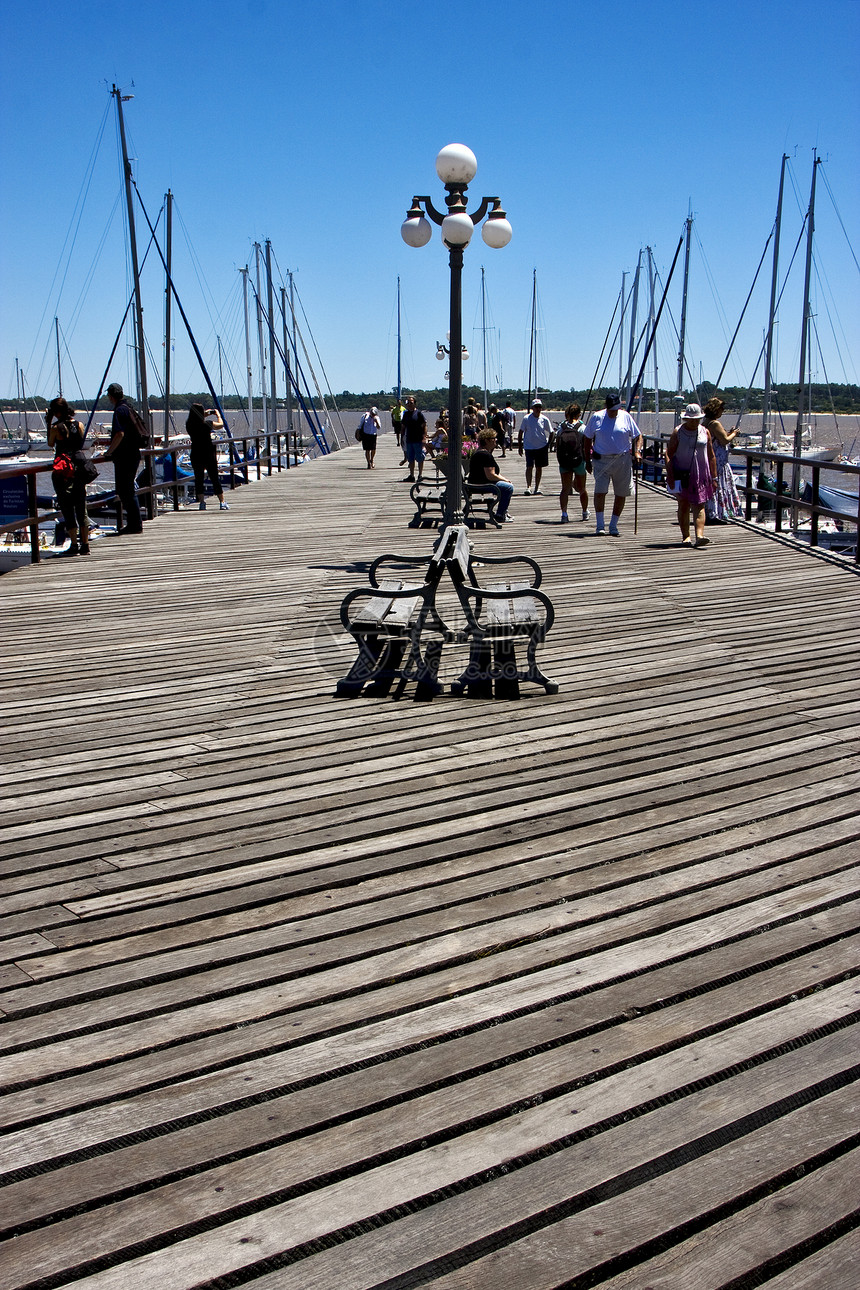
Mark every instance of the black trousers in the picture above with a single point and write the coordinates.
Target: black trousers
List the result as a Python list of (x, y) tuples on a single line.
[(124, 471)]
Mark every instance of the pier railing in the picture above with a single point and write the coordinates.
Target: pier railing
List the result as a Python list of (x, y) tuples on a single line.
[(766, 491), (251, 457)]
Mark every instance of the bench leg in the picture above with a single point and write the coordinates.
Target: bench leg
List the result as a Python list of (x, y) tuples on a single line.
[(388, 667), (505, 670), (534, 673), (365, 668), (428, 684), (476, 678)]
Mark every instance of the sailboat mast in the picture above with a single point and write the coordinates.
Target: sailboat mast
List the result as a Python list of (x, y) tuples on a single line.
[(270, 297), (260, 342), (399, 381), (168, 317), (771, 317), (532, 355), (135, 266), (804, 334), (651, 277), (287, 382), (621, 330), (683, 335), (633, 312), (244, 273)]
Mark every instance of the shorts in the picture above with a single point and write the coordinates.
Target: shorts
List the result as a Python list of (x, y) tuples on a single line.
[(414, 452), (581, 469), (616, 469), (537, 456)]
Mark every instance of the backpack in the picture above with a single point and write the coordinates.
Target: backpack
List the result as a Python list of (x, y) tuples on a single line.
[(568, 447), (140, 426)]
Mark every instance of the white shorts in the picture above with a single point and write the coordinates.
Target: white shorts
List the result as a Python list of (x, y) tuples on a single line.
[(615, 469)]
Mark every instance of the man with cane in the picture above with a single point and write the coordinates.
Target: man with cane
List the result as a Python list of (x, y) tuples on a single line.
[(617, 444)]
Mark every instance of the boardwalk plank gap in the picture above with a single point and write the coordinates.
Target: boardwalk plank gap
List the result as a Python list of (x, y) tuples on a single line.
[(302, 993)]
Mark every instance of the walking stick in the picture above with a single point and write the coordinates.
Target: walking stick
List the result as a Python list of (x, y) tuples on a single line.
[(635, 497)]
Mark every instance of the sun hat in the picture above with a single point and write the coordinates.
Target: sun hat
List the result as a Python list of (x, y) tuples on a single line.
[(692, 412)]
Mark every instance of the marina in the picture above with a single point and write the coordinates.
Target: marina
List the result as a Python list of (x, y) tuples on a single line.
[(301, 993)]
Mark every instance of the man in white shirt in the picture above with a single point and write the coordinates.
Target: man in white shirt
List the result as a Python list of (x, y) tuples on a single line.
[(535, 434), (617, 443)]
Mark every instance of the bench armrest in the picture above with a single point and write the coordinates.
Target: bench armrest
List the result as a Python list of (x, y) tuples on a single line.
[(508, 560), (411, 561), (466, 593)]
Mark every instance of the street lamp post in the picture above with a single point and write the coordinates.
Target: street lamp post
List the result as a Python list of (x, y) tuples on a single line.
[(456, 166)]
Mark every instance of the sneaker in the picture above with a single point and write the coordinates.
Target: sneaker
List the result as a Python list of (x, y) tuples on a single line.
[(564, 518), (202, 506), (600, 531), (586, 515), (613, 530), (686, 541), (222, 506), (505, 519), (527, 493), (538, 492), (703, 541)]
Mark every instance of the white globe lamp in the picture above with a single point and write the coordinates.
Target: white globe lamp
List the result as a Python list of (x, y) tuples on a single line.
[(457, 229), (416, 232), (496, 232), (456, 164)]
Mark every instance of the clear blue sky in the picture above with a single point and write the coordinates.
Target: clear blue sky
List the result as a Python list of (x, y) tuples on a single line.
[(313, 125)]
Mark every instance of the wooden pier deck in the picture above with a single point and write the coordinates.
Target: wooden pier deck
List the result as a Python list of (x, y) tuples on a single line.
[(308, 994)]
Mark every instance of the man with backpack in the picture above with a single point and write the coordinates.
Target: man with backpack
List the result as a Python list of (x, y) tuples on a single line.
[(573, 453), (128, 436)]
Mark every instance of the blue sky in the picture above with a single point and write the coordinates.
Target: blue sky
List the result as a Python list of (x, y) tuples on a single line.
[(314, 125)]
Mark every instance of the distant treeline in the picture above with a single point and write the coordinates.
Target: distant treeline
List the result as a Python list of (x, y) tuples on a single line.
[(834, 398)]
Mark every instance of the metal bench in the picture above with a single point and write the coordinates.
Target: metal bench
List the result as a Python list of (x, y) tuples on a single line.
[(499, 614), (388, 619)]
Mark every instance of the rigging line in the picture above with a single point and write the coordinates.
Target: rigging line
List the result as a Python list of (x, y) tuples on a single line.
[(316, 429), (319, 360), (234, 453), (316, 351), (743, 311), (838, 216), (761, 352), (688, 359), (826, 377), (90, 274), (833, 334), (71, 363), (218, 321), (828, 298), (79, 203), (721, 313), (116, 343), (634, 391), (605, 343)]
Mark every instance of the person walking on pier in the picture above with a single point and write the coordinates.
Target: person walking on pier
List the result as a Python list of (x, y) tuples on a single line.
[(124, 451), (573, 453), (535, 435), (691, 472), (414, 436), (204, 459), (66, 437), (369, 429), (616, 445)]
